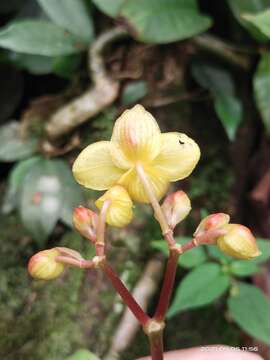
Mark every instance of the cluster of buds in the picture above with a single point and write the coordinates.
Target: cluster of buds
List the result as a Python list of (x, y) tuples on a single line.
[(233, 239)]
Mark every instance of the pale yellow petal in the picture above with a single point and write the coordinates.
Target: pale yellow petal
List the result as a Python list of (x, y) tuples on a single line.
[(133, 184), (178, 156), (94, 168), (119, 212), (136, 136)]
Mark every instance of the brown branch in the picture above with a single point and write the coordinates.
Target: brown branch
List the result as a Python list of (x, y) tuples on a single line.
[(96, 98), (143, 292)]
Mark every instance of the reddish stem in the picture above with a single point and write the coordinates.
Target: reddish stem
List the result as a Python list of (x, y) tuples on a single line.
[(167, 287), (128, 299), (156, 346)]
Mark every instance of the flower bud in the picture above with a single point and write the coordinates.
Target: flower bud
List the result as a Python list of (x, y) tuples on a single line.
[(43, 265), (85, 221), (176, 207), (211, 222), (119, 212), (238, 242)]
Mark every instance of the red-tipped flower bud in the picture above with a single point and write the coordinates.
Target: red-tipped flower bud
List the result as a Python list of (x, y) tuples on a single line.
[(238, 242), (43, 265), (212, 222), (176, 207), (85, 221)]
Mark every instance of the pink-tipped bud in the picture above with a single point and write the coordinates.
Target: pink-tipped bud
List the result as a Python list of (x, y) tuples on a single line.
[(212, 222), (238, 242), (43, 265), (85, 221), (176, 207)]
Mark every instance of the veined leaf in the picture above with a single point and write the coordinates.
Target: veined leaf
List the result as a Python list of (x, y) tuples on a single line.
[(109, 7)]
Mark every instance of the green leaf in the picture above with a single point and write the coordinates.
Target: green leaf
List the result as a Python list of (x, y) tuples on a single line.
[(261, 84), (39, 37), (83, 355), (215, 253), (220, 83), (189, 259), (264, 246), (15, 181), (250, 309), (230, 112), (242, 7), (48, 192), (243, 268), (109, 7), (164, 21), (260, 21), (13, 146), (35, 64), (134, 92), (66, 66), (201, 286), (71, 15)]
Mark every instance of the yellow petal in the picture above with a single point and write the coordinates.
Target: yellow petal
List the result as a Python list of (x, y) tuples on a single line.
[(94, 168), (178, 156), (136, 136), (119, 213), (133, 184)]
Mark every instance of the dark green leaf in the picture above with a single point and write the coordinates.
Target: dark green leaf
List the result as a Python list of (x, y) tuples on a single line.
[(134, 92), (261, 84), (13, 146), (243, 268), (83, 355), (35, 64), (243, 7), (250, 308), (39, 37), (109, 7), (66, 66), (71, 15), (200, 287), (230, 112), (189, 259), (227, 105), (164, 21)]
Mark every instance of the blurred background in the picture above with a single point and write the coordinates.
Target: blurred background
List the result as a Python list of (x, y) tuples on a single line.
[(68, 68)]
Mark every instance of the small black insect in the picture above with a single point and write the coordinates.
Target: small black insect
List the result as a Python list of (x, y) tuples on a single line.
[(181, 142)]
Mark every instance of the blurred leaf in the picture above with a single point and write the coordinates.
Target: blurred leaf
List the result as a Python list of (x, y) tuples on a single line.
[(109, 7), (243, 268), (83, 355), (189, 259), (39, 37), (47, 192), (261, 83), (264, 246), (201, 286), (215, 253), (15, 180), (66, 66), (250, 309), (71, 15), (133, 92), (243, 7), (11, 90), (35, 64), (220, 83), (260, 21), (230, 112), (72, 192), (164, 21), (13, 146)]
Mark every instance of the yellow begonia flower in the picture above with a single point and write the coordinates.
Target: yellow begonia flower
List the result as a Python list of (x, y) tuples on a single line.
[(119, 212), (137, 139)]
